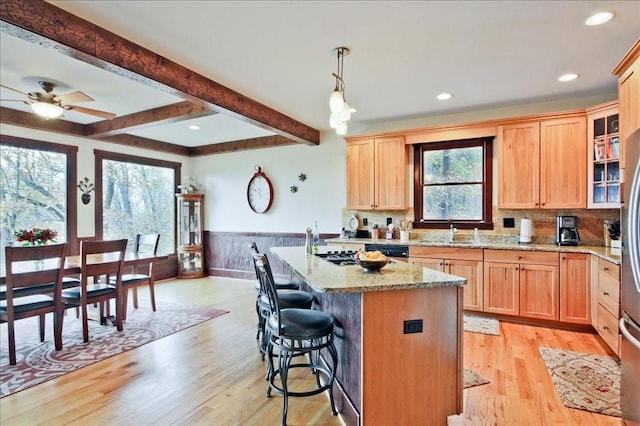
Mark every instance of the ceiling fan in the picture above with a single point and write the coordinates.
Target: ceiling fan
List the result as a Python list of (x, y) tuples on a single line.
[(49, 105)]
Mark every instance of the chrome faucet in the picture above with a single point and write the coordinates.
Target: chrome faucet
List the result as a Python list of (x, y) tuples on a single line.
[(452, 233)]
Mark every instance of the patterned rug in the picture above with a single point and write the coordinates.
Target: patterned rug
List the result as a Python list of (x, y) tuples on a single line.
[(38, 361), (476, 324), (471, 379), (584, 381)]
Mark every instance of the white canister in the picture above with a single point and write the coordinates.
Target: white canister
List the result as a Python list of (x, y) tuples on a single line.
[(526, 230)]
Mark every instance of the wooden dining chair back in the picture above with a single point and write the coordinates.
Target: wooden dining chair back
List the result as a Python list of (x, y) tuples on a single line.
[(144, 244), (38, 271), (102, 265)]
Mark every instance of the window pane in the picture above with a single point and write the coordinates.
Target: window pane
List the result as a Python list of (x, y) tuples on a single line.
[(138, 199), (33, 192), (455, 202), (457, 165)]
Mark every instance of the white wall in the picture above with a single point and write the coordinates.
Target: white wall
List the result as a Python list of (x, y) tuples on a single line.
[(320, 197)]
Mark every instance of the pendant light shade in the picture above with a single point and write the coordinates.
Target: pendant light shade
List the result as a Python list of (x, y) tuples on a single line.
[(340, 109), (46, 109)]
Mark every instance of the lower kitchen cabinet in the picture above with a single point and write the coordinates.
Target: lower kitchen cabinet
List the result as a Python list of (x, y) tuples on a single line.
[(521, 283), (607, 282), (575, 288), (466, 263)]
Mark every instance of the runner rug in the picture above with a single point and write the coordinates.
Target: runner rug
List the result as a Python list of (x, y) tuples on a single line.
[(477, 324), (584, 381), (38, 361)]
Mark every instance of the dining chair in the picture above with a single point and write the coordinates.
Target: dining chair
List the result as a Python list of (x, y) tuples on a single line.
[(98, 259), (39, 269), (145, 244)]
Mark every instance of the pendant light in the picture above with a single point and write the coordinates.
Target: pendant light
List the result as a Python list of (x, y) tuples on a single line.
[(339, 107)]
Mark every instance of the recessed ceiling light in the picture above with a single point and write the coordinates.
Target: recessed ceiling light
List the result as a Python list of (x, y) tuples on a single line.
[(599, 18), (194, 127), (444, 96), (568, 77)]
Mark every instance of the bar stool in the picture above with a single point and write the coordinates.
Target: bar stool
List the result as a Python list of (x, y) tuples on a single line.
[(294, 333), (287, 298)]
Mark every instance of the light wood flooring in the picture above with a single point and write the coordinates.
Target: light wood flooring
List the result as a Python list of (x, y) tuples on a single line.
[(212, 374)]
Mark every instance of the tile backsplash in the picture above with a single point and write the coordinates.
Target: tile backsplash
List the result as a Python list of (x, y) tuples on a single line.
[(590, 225)]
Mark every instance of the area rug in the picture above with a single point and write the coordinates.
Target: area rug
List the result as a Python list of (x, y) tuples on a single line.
[(476, 324), (38, 361), (584, 381), (471, 379)]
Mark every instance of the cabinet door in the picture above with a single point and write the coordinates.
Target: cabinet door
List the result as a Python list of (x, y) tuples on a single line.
[(472, 271), (360, 175), (519, 166), (390, 174), (575, 288), (539, 291), (563, 163), (426, 262), (501, 288), (629, 95)]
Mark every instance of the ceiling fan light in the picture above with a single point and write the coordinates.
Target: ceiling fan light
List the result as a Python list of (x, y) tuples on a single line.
[(47, 110), (336, 101)]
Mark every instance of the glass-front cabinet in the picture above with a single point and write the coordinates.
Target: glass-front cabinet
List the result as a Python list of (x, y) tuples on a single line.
[(190, 234), (604, 156)]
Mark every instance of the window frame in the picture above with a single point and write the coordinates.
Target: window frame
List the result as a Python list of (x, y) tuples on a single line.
[(487, 187), (101, 155), (71, 151)]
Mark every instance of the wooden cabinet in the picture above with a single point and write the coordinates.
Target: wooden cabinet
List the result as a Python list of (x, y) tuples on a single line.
[(628, 73), (521, 283), (377, 174), (537, 163), (466, 263), (608, 303), (190, 234), (603, 154), (575, 288)]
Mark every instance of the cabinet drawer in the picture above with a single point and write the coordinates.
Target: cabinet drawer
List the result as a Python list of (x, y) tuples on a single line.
[(522, 256), (608, 328), (609, 292), (607, 268), (446, 253)]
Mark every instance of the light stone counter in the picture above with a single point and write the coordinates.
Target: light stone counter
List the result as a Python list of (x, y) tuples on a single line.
[(325, 277), (607, 253)]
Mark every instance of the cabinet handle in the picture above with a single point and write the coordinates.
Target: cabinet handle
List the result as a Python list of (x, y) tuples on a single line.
[(605, 293), (564, 258), (519, 257), (604, 327), (606, 269), (516, 268)]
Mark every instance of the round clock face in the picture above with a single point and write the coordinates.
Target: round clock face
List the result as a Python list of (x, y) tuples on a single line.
[(259, 193)]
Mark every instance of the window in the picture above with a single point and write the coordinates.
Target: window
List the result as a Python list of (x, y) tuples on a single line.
[(453, 184), (37, 188), (136, 195)]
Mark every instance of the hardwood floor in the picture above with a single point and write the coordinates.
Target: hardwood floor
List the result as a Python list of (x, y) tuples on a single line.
[(212, 374)]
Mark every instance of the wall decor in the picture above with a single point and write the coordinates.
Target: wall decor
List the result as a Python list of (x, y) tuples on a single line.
[(259, 192), (302, 177), (86, 189), (293, 189)]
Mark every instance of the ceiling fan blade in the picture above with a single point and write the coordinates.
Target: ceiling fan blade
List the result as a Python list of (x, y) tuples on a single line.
[(12, 100), (74, 97), (14, 90), (89, 111)]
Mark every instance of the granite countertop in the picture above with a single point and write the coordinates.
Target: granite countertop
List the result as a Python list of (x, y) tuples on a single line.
[(607, 253), (325, 277)]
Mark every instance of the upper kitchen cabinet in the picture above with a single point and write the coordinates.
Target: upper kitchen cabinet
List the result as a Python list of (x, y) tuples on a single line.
[(538, 166), (377, 173), (603, 153), (628, 73)]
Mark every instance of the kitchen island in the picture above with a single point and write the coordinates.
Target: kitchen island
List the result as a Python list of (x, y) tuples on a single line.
[(398, 336)]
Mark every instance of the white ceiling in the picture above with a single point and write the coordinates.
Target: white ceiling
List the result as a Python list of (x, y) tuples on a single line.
[(279, 53)]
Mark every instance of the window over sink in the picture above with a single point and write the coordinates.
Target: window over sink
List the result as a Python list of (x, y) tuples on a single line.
[(453, 184)]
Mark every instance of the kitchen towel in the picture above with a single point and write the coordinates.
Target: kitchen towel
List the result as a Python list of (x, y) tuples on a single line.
[(526, 230)]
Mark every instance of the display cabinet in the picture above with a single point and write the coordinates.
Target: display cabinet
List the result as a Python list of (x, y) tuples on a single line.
[(190, 233), (604, 156)]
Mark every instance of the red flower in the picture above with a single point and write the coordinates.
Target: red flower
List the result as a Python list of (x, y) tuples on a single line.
[(36, 236)]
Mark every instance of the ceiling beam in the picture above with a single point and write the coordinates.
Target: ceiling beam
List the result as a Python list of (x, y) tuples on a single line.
[(162, 115), (34, 121), (152, 144), (241, 145), (43, 23)]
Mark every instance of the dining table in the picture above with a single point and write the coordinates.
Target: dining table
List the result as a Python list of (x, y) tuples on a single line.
[(73, 266)]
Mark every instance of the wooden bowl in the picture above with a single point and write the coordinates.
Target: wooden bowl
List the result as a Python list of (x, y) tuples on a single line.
[(372, 265)]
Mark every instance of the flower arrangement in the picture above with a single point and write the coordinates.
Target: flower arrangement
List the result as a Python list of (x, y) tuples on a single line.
[(35, 236)]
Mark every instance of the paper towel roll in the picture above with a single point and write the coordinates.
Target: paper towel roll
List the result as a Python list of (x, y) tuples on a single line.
[(526, 230)]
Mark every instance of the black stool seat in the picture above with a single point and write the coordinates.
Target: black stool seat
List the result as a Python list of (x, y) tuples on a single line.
[(281, 285), (290, 299), (303, 323)]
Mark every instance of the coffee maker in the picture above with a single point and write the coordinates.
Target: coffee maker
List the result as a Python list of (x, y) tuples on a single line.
[(567, 231)]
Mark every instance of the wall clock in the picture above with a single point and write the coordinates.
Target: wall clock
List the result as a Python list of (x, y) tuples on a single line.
[(259, 192)]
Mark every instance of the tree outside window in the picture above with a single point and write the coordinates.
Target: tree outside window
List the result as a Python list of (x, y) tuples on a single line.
[(453, 184)]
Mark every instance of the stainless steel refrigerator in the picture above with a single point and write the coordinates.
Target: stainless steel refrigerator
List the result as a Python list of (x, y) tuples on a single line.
[(630, 291)]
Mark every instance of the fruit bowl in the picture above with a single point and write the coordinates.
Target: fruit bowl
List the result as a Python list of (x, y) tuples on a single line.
[(371, 264)]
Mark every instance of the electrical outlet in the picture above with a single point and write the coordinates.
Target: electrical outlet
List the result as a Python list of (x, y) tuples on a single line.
[(508, 222), (413, 326), (365, 221)]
